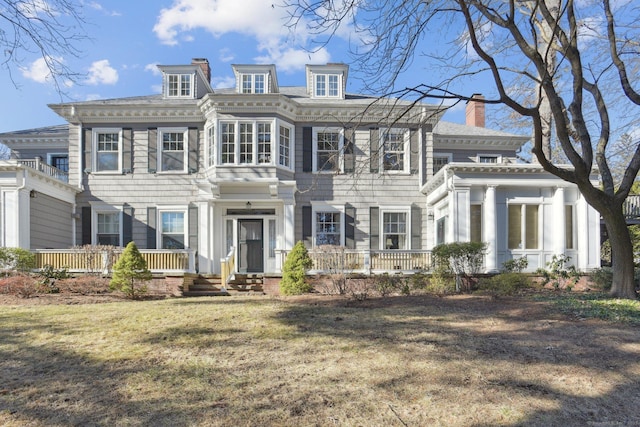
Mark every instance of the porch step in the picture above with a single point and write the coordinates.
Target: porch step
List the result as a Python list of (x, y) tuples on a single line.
[(212, 286)]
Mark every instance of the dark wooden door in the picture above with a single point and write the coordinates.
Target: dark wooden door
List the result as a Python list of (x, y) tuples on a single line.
[(250, 246)]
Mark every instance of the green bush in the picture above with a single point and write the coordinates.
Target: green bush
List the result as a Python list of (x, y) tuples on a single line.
[(129, 271), (463, 259), (515, 265), (602, 278), (16, 259), (504, 284), (294, 271), (441, 283)]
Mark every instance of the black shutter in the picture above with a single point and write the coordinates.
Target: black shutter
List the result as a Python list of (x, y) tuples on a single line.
[(193, 227), (374, 227), (151, 227), (414, 145), (127, 225), (86, 225), (127, 150), (193, 150), (86, 150), (307, 149), (350, 227), (416, 227), (152, 150), (349, 156), (374, 148), (306, 226)]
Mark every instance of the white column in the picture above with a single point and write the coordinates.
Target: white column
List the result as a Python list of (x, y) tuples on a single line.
[(490, 234), (205, 238), (452, 213), (559, 225)]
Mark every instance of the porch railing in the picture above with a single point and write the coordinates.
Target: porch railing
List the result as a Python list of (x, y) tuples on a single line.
[(228, 266), (45, 168), (367, 261), (631, 207), (101, 261)]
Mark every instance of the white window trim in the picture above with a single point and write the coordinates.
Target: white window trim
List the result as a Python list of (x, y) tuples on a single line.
[(253, 83), (406, 159), (103, 208), (165, 209), (326, 207), (315, 132), (94, 150), (275, 142), (523, 224), (395, 209), (448, 156), (326, 87), (498, 157), (185, 146), (292, 134), (191, 85)]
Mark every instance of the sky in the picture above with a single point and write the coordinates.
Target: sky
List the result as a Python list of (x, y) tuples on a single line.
[(128, 38)]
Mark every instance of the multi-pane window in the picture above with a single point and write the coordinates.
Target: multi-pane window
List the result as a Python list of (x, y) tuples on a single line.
[(328, 228), (108, 228), (228, 143), (211, 144), (285, 147), (440, 161), (327, 151), (179, 85), (246, 143), (568, 227), (523, 226), (264, 142), (172, 230), (173, 151), (475, 226), (393, 146), (107, 151), (327, 85), (487, 158), (253, 83), (394, 230), (60, 161)]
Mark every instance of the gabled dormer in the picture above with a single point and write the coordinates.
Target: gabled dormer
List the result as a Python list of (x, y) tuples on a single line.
[(255, 79), (186, 81), (327, 81)]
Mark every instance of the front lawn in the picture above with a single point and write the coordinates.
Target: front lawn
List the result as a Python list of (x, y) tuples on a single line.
[(261, 361)]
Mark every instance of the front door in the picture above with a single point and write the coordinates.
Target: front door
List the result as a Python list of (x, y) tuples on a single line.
[(250, 246)]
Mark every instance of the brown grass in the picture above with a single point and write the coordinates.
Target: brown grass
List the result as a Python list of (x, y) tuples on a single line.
[(315, 361)]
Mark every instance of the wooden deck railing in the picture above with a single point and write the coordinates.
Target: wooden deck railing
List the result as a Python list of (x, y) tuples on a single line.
[(364, 261), (101, 261), (45, 168), (227, 266)]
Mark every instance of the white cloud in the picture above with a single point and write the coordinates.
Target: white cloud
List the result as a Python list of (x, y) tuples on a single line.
[(101, 72), (153, 69), (259, 19), (222, 82), (226, 55), (97, 6), (38, 71), (92, 97), (31, 9)]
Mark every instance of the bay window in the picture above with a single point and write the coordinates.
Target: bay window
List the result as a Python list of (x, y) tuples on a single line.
[(245, 142)]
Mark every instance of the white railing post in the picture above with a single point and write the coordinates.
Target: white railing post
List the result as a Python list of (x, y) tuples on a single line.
[(367, 261)]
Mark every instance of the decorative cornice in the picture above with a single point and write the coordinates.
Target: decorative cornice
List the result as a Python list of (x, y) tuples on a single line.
[(129, 113)]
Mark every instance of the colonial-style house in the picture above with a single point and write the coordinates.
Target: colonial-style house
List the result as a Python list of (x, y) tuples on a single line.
[(243, 173)]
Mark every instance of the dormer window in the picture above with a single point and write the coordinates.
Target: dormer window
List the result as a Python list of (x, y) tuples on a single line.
[(327, 85), (253, 83), (179, 85), (327, 81)]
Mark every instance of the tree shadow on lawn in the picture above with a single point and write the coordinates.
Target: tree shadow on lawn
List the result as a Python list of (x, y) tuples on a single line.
[(585, 372)]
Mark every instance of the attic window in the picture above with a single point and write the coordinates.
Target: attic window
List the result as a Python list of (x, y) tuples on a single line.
[(327, 85), (179, 85), (253, 83)]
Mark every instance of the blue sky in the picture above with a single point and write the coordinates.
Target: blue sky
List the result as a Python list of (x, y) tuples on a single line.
[(128, 38)]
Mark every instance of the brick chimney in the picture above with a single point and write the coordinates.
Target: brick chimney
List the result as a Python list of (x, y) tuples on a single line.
[(204, 65), (475, 111)]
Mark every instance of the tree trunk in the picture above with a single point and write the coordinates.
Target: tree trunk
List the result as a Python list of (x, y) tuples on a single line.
[(623, 285)]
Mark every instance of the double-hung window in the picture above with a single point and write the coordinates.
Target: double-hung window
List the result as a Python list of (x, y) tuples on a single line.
[(394, 230), (179, 85), (250, 142), (523, 226), (264, 143), (327, 85), (284, 148), (173, 147), (328, 228), (440, 161), (211, 145), (246, 143), (108, 228), (328, 143), (394, 146), (228, 143), (172, 229), (253, 83), (107, 149)]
